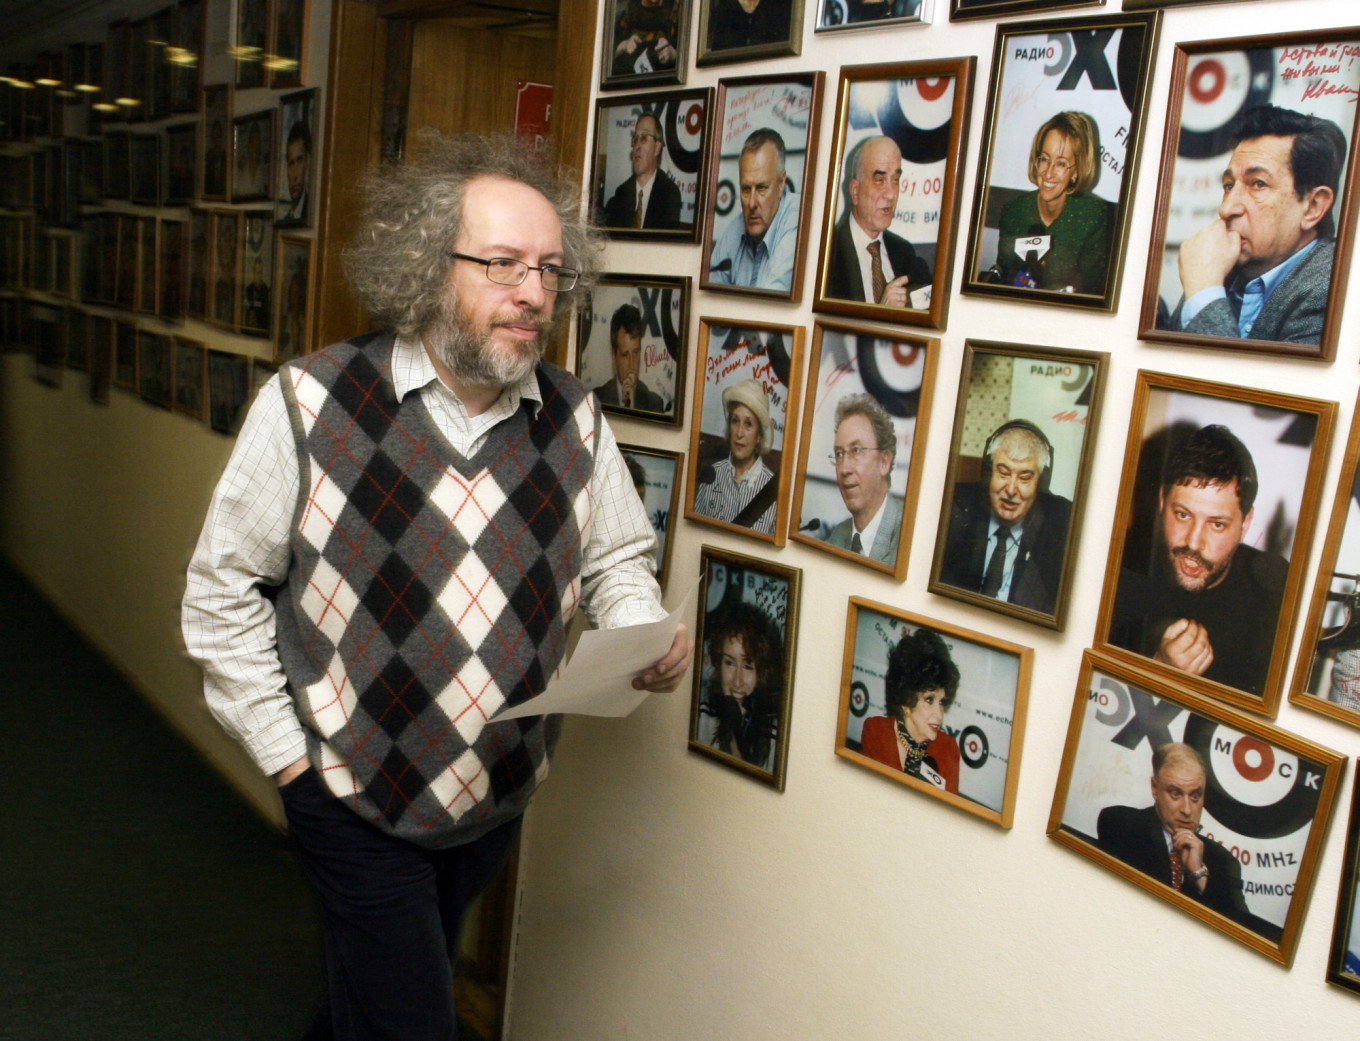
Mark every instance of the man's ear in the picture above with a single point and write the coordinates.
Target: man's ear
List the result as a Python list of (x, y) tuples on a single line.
[(1317, 204), (1246, 521)]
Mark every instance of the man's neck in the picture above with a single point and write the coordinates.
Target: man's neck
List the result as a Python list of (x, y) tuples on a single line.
[(866, 514), (1256, 268), (476, 397), (644, 179)]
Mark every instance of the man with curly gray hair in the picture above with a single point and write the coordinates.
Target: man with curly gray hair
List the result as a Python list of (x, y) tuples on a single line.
[(426, 507)]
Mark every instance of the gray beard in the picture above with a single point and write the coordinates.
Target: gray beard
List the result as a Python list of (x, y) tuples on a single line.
[(470, 355)]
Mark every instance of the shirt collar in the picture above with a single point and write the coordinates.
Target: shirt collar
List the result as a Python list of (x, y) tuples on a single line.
[(860, 237), (1276, 275), (413, 370), (1013, 532)]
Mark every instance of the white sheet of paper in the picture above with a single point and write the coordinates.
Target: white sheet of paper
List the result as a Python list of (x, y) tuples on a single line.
[(598, 681)]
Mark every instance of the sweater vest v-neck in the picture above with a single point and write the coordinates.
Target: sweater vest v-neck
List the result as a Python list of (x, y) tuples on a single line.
[(426, 590)]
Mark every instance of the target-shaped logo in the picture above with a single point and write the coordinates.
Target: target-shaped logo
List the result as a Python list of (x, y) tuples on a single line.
[(891, 373), (724, 198), (1219, 88), (684, 123), (973, 747), (1254, 788), (859, 699), (917, 115)]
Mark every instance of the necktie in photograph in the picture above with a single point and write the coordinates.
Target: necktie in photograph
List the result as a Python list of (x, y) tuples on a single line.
[(637, 212), (996, 567), (856, 543), (876, 270)]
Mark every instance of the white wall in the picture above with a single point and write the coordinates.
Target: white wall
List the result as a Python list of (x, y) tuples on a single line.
[(667, 897)]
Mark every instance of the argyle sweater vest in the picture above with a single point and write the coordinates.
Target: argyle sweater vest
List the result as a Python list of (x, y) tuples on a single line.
[(426, 590)]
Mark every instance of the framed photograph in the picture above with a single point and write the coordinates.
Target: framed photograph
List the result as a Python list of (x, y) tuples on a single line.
[(1217, 813), (892, 196), (257, 273), (646, 43), (835, 15), (118, 165), (747, 30), (125, 355), (656, 476), (293, 193), (129, 266), (153, 368), (174, 243), (199, 263), (935, 707), (90, 191), (147, 262), (226, 269), (191, 378), (1254, 200), (181, 173), (866, 415), (252, 29), (962, 10), (759, 187), (228, 385), (216, 164), (253, 156), (648, 171), (139, 72), (1024, 431), (1055, 186), (1327, 669), (289, 44), (293, 279), (1344, 967), (185, 56), (631, 336), (161, 27), (1217, 503), (743, 679), (742, 426)]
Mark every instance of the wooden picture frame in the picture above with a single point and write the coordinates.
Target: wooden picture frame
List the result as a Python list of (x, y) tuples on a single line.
[(293, 274), (228, 387), (631, 333), (154, 368), (644, 45), (295, 148), (759, 198), (1343, 965), (921, 163), (729, 34), (741, 701), (1217, 502), (746, 378), (252, 40), (225, 270), (216, 164), (252, 150), (288, 39), (835, 16), (657, 476), (1254, 802), (1305, 242), (880, 383), (674, 165), (190, 378), (1056, 181), (934, 707), (1019, 463), (148, 265), (257, 273)]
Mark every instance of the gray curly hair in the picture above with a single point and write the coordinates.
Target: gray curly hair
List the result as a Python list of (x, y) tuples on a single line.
[(413, 212)]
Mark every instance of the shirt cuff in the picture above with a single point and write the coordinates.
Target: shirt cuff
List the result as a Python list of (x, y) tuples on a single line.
[(1197, 303)]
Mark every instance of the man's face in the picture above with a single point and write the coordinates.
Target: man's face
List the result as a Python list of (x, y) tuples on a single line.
[(297, 169), (646, 153), (627, 355), (490, 334), (874, 189), (863, 482), (1202, 527), (1178, 795), (762, 188), (1013, 486), (1260, 204)]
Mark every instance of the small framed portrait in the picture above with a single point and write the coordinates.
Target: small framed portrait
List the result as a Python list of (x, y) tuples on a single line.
[(181, 163), (759, 188), (185, 55), (742, 427), (748, 30), (743, 677), (191, 378), (1255, 196), (646, 43), (129, 268), (892, 195), (1327, 670), (225, 280), (252, 30), (866, 414), (962, 10), (257, 272), (656, 476), (228, 386), (648, 172), (631, 336), (1217, 503), (835, 15), (217, 128), (90, 191), (252, 156), (173, 248), (153, 368), (935, 707), (117, 165), (1343, 967), (1218, 813), (1055, 184), (293, 284), (1024, 431), (148, 256), (199, 264), (288, 47), (125, 355), (293, 190)]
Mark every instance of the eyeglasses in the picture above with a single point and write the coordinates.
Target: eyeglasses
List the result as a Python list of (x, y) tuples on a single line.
[(505, 271), (855, 453), (644, 136)]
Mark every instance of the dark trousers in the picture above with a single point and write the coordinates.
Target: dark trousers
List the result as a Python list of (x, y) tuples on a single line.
[(392, 914)]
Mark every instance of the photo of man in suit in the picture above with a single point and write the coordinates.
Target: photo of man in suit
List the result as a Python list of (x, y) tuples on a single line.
[(1007, 534), (865, 449), (758, 247), (649, 198), (1163, 841), (868, 262), (625, 351), (1262, 269)]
